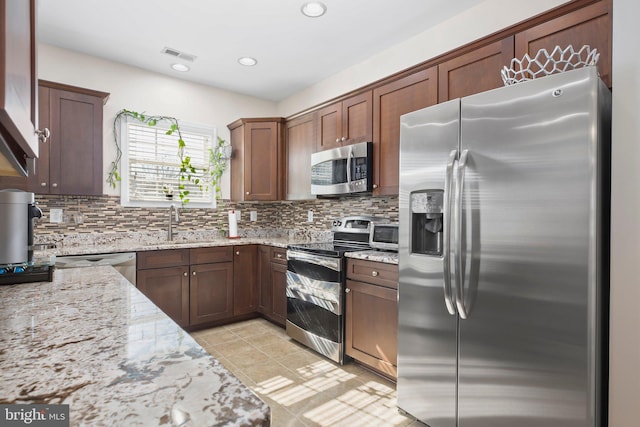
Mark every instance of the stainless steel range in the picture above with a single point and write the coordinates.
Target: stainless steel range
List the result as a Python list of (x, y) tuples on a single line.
[(316, 286)]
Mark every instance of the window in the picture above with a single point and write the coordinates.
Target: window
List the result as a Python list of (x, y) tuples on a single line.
[(151, 166)]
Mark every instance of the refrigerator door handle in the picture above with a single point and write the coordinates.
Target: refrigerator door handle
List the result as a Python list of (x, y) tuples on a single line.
[(457, 245), (446, 234)]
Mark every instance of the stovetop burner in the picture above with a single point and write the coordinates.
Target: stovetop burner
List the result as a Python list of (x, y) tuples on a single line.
[(12, 274)]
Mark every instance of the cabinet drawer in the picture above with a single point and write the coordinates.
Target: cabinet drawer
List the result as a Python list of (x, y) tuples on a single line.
[(378, 273), (163, 258), (210, 255), (279, 255)]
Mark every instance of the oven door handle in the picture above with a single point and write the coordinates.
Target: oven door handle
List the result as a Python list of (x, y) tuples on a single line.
[(301, 294), (331, 263)]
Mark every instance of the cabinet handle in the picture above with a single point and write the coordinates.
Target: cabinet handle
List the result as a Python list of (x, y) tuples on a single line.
[(237, 252), (54, 185), (347, 290), (374, 273), (375, 185), (279, 255), (247, 193), (43, 134), (43, 184), (337, 139), (193, 273), (184, 274), (343, 139)]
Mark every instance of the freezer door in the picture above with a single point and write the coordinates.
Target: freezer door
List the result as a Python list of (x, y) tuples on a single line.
[(427, 343), (530, 254)]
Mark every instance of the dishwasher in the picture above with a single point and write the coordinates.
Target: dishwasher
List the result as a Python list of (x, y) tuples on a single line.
[(123, 262)]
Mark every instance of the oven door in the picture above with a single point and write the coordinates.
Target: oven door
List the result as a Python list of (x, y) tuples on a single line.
[(315, 303)]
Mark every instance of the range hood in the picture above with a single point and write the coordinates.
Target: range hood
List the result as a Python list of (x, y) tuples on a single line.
[(10, 163)]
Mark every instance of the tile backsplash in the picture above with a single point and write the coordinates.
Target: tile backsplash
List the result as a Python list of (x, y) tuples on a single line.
[(106, 215)]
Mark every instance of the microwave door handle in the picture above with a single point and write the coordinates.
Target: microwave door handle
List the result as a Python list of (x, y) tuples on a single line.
[(349, 165)]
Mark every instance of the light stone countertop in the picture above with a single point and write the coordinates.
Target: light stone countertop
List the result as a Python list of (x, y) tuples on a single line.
[(104, 243), (92, 340), (387, 257)]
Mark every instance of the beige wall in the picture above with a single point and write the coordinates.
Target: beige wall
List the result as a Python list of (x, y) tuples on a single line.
[(477, 22), (139, 90), (625, 218)]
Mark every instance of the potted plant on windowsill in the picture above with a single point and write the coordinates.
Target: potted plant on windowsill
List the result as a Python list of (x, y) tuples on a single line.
[(209, 177)]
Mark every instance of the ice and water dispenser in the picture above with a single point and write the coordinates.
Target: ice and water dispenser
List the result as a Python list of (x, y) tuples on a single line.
[(426, 222)]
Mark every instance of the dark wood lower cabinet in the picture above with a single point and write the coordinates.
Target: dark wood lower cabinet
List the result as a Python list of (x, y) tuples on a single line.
[(279, 297), (273, 284), (245, 281), (371, 333), (211, 292), (168, 288)]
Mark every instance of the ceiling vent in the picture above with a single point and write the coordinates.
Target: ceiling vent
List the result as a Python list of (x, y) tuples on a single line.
[(177, 54)]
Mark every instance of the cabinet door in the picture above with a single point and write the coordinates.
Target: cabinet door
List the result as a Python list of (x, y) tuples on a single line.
[(245, 283), (167, 288), (474, 72), (590, 25), (38, 181), (300, 134), (264, 280), (261, 161), (329, 127), (18, 96), (390, 101), (357, 119), (371, 334), (279, 295), (211, 292), (76, 143)]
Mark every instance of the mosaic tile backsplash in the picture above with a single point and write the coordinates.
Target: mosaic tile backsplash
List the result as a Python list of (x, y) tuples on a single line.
[(106, 215)]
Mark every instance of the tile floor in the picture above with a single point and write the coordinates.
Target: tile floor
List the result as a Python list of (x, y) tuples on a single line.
[(301, 387)]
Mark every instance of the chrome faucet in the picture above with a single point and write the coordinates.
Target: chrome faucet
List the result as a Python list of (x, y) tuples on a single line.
[(173, 210)]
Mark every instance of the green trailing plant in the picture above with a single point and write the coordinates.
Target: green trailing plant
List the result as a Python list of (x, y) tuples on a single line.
[(217, 165), (188, 173)]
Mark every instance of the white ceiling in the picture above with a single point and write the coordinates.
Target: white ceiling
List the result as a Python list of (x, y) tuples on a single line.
[(293, 51)]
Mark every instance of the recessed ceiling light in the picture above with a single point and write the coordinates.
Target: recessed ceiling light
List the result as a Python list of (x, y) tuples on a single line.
[(313, 9), (180, 67), (247, 61)]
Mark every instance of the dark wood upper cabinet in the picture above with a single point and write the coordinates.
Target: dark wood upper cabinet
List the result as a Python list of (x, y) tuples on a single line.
[(18, 91), (590, 25), (257, 162), (345, 122), (390, 101), (300, 142), (70, 161), (475, 71)]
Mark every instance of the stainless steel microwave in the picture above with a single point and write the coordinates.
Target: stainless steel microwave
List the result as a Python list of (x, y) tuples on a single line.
[(342, 170)]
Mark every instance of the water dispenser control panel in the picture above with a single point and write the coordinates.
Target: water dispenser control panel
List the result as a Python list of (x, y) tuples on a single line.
[(426, 221)]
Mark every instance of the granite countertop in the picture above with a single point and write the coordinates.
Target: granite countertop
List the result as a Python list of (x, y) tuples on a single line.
[(387, 257), (103, 243), (91, 340)]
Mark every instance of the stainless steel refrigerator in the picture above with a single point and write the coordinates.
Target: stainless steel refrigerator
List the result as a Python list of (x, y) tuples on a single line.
[(503, 256)]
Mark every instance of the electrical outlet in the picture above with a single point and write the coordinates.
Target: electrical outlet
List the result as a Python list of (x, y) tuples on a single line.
[(238, 215), (253, 215), (55, 216), (310, 216)]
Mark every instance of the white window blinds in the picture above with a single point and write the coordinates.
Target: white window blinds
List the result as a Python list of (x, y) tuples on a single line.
[(153, 165)]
